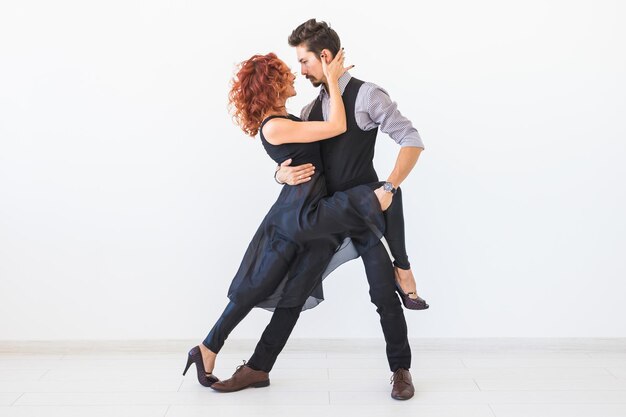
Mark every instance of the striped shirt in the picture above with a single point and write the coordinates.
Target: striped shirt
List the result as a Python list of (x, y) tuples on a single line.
[(373, 108)]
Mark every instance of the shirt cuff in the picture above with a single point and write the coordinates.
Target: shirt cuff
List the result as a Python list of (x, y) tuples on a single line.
[(414, 142)]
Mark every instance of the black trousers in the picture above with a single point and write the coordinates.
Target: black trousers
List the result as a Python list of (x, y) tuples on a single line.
[(380, 276), (381, 279)]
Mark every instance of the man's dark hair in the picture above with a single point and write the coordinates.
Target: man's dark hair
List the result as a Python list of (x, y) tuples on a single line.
[(317, 36)]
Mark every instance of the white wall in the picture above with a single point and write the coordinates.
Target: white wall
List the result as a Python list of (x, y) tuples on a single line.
[(127, 195)]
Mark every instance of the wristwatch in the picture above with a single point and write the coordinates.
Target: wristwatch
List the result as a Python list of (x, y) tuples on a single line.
[(388, 187)]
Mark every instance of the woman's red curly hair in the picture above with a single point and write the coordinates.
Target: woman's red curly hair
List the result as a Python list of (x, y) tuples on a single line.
[(255, 90)]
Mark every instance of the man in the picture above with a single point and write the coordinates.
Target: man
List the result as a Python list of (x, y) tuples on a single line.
[(348, 161)]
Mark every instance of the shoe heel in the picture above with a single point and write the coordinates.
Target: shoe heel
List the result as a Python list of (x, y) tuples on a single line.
[(261, 384), (189, 362)]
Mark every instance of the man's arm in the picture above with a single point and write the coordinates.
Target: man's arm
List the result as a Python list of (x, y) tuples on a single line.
[(407, 158), (379, 110), (286, 174)]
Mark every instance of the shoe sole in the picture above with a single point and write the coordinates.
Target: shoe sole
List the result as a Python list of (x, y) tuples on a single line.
[(402, 398), (409, 307), (415, 308), (261, 384)]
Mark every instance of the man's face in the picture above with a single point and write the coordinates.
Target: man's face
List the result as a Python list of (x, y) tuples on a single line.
[(310, 65)]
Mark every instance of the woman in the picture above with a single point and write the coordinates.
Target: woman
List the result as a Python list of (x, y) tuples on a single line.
[(301, 239)]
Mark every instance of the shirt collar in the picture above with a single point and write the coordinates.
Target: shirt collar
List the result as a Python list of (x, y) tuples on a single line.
[(343, 82)]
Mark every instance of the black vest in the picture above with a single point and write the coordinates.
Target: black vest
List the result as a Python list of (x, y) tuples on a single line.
[(349, 157)]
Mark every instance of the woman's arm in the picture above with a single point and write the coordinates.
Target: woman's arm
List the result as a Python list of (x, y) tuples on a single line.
[(278, 131)]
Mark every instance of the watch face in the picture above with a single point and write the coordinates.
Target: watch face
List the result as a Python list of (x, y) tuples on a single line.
[(388, 187)]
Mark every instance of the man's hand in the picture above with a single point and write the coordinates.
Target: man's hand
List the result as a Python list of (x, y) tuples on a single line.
[(294, 175), (384, 198)]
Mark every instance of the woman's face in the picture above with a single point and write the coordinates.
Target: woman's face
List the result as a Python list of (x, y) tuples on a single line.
[(290, 91)]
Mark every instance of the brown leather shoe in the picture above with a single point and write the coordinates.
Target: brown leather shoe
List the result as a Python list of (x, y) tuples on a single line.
[(243, 377), (403, 388)]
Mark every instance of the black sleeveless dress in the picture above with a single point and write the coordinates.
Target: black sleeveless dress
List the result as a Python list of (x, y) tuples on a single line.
[(305, 235)]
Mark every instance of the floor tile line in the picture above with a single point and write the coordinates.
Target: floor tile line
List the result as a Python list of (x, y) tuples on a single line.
[(611, 373), (477, 386), (13, 403), (44, 374)]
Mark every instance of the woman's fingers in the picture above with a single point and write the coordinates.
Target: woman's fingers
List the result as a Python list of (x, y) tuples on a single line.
[(339, 57), (336, 67), (339, 61)]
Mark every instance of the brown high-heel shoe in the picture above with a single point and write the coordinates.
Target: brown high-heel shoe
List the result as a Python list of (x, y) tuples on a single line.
[(204, 378), (410, 303)]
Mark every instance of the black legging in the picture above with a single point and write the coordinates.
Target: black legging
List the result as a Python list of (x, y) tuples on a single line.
[(394, 232)]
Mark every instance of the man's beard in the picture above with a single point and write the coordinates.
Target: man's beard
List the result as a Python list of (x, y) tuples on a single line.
[(315, 83)]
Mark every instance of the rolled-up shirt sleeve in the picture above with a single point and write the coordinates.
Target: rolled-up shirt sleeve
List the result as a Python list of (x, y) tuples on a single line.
[(379, 110)]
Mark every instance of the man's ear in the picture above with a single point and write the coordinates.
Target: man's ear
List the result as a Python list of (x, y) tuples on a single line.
[(328, 56)]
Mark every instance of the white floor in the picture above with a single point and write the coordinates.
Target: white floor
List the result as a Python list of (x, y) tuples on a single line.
[(475, 377)]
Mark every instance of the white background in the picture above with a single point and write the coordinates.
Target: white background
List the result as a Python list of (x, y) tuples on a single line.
[(128, 196)]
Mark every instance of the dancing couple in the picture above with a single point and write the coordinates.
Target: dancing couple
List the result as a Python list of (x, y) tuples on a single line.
[(332, 206)]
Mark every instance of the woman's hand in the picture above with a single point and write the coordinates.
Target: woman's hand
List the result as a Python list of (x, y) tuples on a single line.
[(335, 68)]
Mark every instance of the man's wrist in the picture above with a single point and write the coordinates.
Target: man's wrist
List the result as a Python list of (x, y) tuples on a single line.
[(389, 188)]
